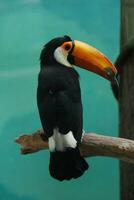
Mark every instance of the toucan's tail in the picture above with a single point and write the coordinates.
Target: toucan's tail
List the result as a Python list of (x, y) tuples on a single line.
[(68, 164)]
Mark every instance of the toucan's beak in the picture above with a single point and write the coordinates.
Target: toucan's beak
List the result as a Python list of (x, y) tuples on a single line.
[(89, 58)]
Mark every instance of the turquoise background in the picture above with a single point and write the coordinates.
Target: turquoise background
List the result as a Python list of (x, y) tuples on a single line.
[(25, 26)]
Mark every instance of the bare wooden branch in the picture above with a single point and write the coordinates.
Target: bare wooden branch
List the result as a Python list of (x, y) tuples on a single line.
[(92, 145)]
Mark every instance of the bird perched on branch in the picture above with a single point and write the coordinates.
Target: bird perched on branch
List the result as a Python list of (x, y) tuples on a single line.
[(59, 101)]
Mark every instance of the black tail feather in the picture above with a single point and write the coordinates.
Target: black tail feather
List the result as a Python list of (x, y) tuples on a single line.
[(67, 165)]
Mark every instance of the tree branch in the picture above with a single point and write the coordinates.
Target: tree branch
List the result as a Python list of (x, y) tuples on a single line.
[(92, 145)]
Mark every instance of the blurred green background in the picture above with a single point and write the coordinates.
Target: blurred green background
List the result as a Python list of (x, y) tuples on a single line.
[(25, 26)]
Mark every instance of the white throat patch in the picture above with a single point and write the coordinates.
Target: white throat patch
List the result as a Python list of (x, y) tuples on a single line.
[(60, 56)]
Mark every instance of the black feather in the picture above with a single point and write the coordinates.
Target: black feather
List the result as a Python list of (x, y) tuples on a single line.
[(67, 165)]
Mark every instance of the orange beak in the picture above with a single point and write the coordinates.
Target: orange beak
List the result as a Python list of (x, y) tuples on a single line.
[(89, 58)]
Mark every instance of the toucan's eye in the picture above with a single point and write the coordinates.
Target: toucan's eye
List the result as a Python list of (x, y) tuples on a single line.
[(67, 47)]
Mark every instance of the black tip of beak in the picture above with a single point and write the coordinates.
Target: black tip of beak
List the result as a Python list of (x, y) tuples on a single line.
[(110, 73), (115, 81), (112, 76)]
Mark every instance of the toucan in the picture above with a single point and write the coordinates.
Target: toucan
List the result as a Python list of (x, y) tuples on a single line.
[(59, 101)]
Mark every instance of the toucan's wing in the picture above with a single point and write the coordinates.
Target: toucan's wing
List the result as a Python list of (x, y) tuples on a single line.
[(59, 103)]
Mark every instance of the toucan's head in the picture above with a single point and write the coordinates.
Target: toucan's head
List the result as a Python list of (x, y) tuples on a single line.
[(68, 52)]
